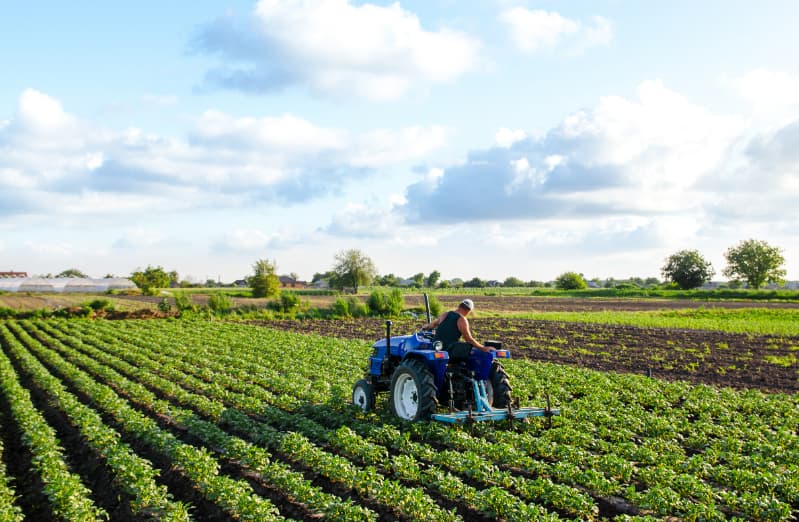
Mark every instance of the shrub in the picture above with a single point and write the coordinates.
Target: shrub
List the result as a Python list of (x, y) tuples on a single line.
[(386, 304), (220, 303), (570, 281), (100, 304), (435, 306), (289, 301), (357, 308), (341, 308), (183, 302)]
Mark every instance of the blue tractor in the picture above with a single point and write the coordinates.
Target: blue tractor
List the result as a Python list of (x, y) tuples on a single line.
[(420, 376)]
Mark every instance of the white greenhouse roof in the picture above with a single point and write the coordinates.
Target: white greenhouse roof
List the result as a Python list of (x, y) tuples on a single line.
[(64, 284)]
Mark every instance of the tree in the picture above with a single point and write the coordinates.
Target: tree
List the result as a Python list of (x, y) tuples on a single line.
[(432, 279), (418, 280), (688, 269), (474, 282), (72, 272), (756, 261), (513, 282), (387, 280), (264, 281), (570, 281), (353, 268), (150, 279)]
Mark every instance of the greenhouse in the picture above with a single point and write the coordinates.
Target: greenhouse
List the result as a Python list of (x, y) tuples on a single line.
[(64, 284)]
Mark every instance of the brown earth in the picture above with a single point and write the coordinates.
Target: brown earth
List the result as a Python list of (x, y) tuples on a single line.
[(698, 356)]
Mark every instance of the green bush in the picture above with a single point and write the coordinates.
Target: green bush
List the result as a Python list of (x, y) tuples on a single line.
[(435, 306), (183, 302), (341, 308), (385, 304), (220, 303), (357, 308), (100, 304), (289, 301)]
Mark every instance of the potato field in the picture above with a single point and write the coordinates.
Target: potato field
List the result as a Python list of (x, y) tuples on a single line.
[(177, 419)]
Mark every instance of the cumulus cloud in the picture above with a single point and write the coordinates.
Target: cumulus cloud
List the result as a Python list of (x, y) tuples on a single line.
[(772, 98), (534, 30), (507, 137), (224, 160), (643, 156), (333, 47)]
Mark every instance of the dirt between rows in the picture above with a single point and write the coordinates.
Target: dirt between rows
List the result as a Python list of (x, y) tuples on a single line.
[(526, 303), (698, 356)]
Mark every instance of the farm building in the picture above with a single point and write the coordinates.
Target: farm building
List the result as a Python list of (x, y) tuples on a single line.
[(64, 284)]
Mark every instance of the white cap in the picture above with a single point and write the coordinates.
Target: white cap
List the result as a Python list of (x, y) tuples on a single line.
[(468, 304)]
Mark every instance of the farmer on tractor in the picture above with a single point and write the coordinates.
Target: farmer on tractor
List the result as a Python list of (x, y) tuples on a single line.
[(451, 325)]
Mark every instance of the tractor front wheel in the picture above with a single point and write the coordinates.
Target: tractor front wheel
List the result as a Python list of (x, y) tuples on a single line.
[(363, 395), (500, 386), (413, 391)]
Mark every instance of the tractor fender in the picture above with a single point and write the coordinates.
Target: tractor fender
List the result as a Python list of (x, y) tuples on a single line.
[(436, 361)]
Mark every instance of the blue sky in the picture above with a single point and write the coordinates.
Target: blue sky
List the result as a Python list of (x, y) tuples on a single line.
[(490, 139)]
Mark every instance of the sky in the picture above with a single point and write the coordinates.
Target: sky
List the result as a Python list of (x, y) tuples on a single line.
[(487, 139)]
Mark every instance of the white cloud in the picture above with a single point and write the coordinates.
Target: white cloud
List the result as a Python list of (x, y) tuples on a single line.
[(535, 30), (40, 112), (772, 95), (335, 47), (277, 133), (50, 249), (642, 156), (140, 237), (507, 137), (226, 161), (360, 220), (247, 241), (387, 146)]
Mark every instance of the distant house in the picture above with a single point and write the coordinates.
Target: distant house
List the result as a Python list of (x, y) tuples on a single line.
[(7, 275), (240, 282), (321, 284), (290, 282)]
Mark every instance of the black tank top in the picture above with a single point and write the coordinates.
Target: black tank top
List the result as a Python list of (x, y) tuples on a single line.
[(447, 332)]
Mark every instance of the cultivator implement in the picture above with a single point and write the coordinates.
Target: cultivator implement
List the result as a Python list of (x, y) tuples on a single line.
[(483, 411)]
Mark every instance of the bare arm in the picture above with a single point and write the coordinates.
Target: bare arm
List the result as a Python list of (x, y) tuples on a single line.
[(435, 322), (463, 326)]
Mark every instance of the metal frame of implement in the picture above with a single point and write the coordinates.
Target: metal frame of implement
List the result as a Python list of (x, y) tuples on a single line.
[(484, 411)]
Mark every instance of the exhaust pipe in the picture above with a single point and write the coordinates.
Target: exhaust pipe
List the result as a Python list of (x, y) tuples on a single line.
[(427, 307)]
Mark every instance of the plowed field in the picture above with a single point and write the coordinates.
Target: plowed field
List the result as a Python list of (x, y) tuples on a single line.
[(765, 362)]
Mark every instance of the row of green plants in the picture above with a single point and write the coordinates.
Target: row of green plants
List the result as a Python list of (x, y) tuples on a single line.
[(352, 447), (69, 498), (245, 454), (666, 449), (135, 475), (293, 446), (234, 496), (654, 479)]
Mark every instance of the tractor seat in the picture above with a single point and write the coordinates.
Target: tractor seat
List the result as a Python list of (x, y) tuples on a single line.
[(459, 352)]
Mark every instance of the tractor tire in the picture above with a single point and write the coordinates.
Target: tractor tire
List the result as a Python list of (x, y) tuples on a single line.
[(363, 395), (500, 386), (413, 391)]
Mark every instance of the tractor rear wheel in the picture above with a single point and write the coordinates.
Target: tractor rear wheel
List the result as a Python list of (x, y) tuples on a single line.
[(413, 391), (500, 386), (363, 395)]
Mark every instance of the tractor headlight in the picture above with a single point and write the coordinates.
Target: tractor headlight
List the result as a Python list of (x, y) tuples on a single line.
[(438, 346)]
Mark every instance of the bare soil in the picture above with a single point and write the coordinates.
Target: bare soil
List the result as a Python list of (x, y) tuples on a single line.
[(698, 356)]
